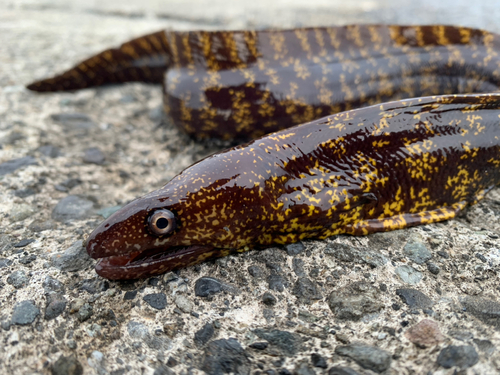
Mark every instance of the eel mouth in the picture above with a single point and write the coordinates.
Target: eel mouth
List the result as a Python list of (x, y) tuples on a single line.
[(141, 264)]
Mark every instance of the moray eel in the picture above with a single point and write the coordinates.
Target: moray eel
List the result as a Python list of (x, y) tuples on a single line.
[(373, 169), (379, 168), (244, 84)]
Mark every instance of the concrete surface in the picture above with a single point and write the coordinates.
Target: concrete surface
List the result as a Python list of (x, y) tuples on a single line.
[(100, 327)]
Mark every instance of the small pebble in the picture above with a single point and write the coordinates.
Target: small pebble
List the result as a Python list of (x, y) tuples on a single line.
[(67, 366), (368, 357), (25, 313), (85, 312), (458, 356), (183, 303), (269, 299), (295, 248), (409, 274), (94, 155), (318, 361), (156, 300), (425, 333), (417, 252), (18, 279), (414, 298), (204, 334), (433, 268), (206, 286), (259, 345), (12, 165), (24, 243), (72, 207)]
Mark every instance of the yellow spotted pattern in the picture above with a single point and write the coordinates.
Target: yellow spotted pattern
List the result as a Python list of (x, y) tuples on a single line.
[(339, 174)]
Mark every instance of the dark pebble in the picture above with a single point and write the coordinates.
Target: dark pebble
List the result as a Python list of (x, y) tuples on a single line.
[(94, 155), (340, 370), (24, 313), (269, 299), (261, 345), (130, 295), (203, 335), (303, 368), (284, 371), (433, 268), (40, 226), (89, 285), (268, 314), (318, 361), (156, 300), (368, 357), (56, 303), (172, 362), (24, 242), (70, 183), (414, 298), (294, 248), (486, 346), (137, 330), (4, 262), (27, 259), (18, 279), (276, 282), (484, 309), (298, 267), (163, 370), (52, 285), (50, 151), (306, 290), (67, 366), (342, 252), (72, 207), (256, 272), (443, 254), (460, 334), (24, 193), (206, 286), (288, 343), (85, 312), (314, 273), (355, 301), (70, 117), (417, 252), (481, 257), (10, 166), (458, 356), (225, 356), (75, 258)]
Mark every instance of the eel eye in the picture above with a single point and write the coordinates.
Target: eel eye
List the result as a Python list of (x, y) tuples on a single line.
[(162, 222)]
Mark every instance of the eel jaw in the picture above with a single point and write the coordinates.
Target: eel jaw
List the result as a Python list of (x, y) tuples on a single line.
[(147, 263)]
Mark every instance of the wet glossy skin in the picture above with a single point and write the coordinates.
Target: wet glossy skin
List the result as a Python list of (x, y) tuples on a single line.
[(374, 169), (244, 84)]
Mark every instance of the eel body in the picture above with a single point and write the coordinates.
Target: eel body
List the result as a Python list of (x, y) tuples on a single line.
[(373, 169), (244, 84), (378, 168)]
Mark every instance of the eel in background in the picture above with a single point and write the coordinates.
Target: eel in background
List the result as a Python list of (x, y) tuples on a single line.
[(244, 84), (361, 171)]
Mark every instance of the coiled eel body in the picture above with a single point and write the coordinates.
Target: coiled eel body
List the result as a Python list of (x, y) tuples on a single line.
[(372, 169), (244, 84)]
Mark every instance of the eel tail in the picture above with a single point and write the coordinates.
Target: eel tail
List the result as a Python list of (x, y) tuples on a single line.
[(144, 59)]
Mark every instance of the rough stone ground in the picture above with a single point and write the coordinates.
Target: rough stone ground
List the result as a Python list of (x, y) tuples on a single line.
[(415, 301)]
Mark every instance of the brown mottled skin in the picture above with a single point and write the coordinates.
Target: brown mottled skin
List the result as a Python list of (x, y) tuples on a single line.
[(365, 170), (244, 84)]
